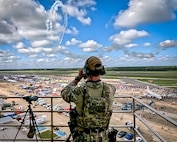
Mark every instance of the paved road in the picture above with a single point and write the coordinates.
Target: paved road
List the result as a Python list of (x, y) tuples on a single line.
[(137, 82), (171, 115)]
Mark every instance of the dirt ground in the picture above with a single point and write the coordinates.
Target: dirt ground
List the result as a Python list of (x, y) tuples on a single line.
[(166, 106)]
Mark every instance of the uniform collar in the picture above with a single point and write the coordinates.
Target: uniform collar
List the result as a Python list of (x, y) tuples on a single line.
[(93, 81), (94, 84)]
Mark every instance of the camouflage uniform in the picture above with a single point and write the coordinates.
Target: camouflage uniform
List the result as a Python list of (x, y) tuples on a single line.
[(94, 109)]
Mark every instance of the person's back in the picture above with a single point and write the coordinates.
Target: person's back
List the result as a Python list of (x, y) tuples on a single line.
[(89, 121)]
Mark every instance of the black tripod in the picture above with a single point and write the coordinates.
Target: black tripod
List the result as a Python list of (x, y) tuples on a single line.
[(33, 125)]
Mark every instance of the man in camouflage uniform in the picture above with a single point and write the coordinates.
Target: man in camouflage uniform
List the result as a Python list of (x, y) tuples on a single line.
[(93, 99)]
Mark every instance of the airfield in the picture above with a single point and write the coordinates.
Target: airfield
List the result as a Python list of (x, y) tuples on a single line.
[(162, 99)]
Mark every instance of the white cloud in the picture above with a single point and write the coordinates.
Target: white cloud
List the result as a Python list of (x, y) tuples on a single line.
[(108, 61), (147, 44), (17, 24), (47, 50), (86, 3), (33, 34), (32, 19), (40, 43), (131, 45), (8, 32), (40, 60), (168, 43), (50, 55), (6, 27), (32, 56), (7, 57), (35, 50), (146, 11), (86, 21), (20, 45), (90, 46), (125, 37), (79, 14), (73, 42), (72, 31), (89, 49), (52, 37), (107, 49), (23, 50)]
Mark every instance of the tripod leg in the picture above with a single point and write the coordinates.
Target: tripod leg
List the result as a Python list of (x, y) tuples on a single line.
[(31, 131), (21, 125), (34, 126)]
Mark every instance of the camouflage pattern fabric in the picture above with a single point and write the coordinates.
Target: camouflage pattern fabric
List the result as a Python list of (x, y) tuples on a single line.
[(97, 98)]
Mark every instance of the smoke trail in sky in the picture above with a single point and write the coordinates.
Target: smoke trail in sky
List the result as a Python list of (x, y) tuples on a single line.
[(51, 19)]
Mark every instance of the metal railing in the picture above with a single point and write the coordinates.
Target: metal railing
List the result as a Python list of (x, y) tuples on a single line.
[(135, 117)]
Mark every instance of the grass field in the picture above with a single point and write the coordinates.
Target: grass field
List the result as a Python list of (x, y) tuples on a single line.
[(47, 135)]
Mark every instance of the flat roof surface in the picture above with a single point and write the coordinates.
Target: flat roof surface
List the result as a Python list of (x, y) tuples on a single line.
[(6, 119), (9, 132)]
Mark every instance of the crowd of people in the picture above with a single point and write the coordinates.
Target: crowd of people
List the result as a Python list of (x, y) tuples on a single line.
[(136, 89)]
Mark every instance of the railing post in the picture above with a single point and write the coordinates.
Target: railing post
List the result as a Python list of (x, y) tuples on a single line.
[(134, 120), (52, 119)]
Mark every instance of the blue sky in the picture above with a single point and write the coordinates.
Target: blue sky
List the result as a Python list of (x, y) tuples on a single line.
[(62, 34)]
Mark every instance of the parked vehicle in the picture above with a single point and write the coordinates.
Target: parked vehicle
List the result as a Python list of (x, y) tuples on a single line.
[(130, 126), (129, 106), (42, 103), (128, 136), (121, 134), (49, 107), (126, 106), (139, 139)]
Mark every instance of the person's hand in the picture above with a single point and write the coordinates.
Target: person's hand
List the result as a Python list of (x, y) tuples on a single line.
[(80, 74)]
